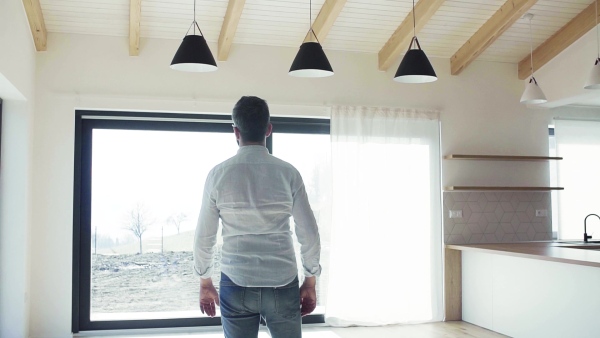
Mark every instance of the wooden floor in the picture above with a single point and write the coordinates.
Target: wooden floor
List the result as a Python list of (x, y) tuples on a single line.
[(430, 330)]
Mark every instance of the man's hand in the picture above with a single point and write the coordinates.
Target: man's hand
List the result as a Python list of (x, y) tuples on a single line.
[(208, 297), (308, 296)]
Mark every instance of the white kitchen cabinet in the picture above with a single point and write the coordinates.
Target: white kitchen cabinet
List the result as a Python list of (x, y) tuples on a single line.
[(530, 298)]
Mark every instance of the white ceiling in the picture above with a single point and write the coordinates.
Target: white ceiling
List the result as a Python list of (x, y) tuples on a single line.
[(362, 26)]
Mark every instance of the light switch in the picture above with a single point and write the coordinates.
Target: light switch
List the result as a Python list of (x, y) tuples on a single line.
[(541, 213), (455, 213)]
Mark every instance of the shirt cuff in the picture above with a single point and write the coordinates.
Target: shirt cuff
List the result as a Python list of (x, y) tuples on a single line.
[(315, 271), (206, 274)]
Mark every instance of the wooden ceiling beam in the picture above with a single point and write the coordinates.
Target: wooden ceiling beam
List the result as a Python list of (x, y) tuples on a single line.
[(230, 23), (324, 21), (36, 23), (135, 16), (398, 42), (506, 16), (558, 42)]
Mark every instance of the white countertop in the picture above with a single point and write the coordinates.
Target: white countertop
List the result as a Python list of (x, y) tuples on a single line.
[(557, 251)]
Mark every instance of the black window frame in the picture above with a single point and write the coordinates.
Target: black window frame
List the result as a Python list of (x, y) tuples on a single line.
[(0, 132), (85, 122)]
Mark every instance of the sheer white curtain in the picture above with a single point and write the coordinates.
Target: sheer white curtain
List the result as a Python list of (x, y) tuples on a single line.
[(386, 258), (578, 142)]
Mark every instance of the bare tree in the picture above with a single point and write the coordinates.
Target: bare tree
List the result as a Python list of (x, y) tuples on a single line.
[(176, 220), (138, 222)]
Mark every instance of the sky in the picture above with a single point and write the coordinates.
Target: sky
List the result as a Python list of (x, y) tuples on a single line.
[(164, 171)]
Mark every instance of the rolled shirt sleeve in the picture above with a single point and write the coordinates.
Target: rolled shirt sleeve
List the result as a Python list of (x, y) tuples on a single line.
[(307, 231), (205, 236)]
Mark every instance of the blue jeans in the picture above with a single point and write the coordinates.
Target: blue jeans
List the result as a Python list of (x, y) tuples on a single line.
[(242, 308)]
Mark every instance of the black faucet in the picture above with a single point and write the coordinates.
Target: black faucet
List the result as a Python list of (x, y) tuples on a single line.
[(585, 235)]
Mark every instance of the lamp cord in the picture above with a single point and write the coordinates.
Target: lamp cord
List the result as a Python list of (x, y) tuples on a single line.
[(195, 16), (414, 39), (414, 20), (531, 46), (194, 24), (310, 22), (597, 37)]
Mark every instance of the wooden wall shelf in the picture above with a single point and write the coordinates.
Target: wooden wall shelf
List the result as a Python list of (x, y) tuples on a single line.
[(494, 188), (500, 157)]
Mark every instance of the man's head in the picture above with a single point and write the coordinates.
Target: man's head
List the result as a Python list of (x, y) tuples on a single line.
[(251, 117)]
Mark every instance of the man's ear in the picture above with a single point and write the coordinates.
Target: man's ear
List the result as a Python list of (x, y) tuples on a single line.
[(236, 131), (269, 130)]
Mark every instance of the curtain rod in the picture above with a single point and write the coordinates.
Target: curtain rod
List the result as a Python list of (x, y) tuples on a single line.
[(163, 119)]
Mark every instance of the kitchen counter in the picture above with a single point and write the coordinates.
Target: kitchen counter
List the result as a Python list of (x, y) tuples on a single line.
[(531, 290), (579, 253)]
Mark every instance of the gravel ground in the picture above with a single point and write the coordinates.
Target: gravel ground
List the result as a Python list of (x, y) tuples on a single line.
[(144, 283), (150, 282)]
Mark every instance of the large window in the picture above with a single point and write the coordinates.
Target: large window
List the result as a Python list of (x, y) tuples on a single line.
[(578, 142), (553, 181), (138, 184)]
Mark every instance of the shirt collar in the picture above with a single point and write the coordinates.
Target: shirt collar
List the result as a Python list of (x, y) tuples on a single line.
[(252, 149)]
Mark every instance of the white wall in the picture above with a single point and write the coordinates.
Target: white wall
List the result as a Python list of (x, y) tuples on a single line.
[(480, 113), (17, 45), (17, 67)]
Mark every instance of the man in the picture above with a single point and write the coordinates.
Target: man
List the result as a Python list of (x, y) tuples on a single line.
[(254, 194)]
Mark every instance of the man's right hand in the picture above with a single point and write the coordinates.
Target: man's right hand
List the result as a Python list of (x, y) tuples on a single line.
[(209, 297), (308, 296)]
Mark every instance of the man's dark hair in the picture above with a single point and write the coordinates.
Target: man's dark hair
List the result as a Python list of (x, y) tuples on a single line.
[(251, 116)]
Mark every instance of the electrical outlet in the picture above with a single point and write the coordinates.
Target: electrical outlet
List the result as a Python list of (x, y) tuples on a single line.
[(541, 213), (455, 213)]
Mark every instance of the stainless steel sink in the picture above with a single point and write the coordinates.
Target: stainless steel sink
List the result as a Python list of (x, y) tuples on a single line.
[(577, 242), (590, 245)]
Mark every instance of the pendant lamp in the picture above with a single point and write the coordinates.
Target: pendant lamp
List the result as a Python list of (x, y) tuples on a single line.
[(311, 60), (415, 67), (593, 81), (533, 93), (193, 54)]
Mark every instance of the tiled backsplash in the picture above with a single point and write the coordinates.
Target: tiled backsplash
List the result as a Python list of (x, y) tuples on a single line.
[(497, 217)]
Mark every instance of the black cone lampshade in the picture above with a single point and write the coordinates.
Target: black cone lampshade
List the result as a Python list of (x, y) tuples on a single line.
[(415, 67), (311, 62), (194, 55)]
